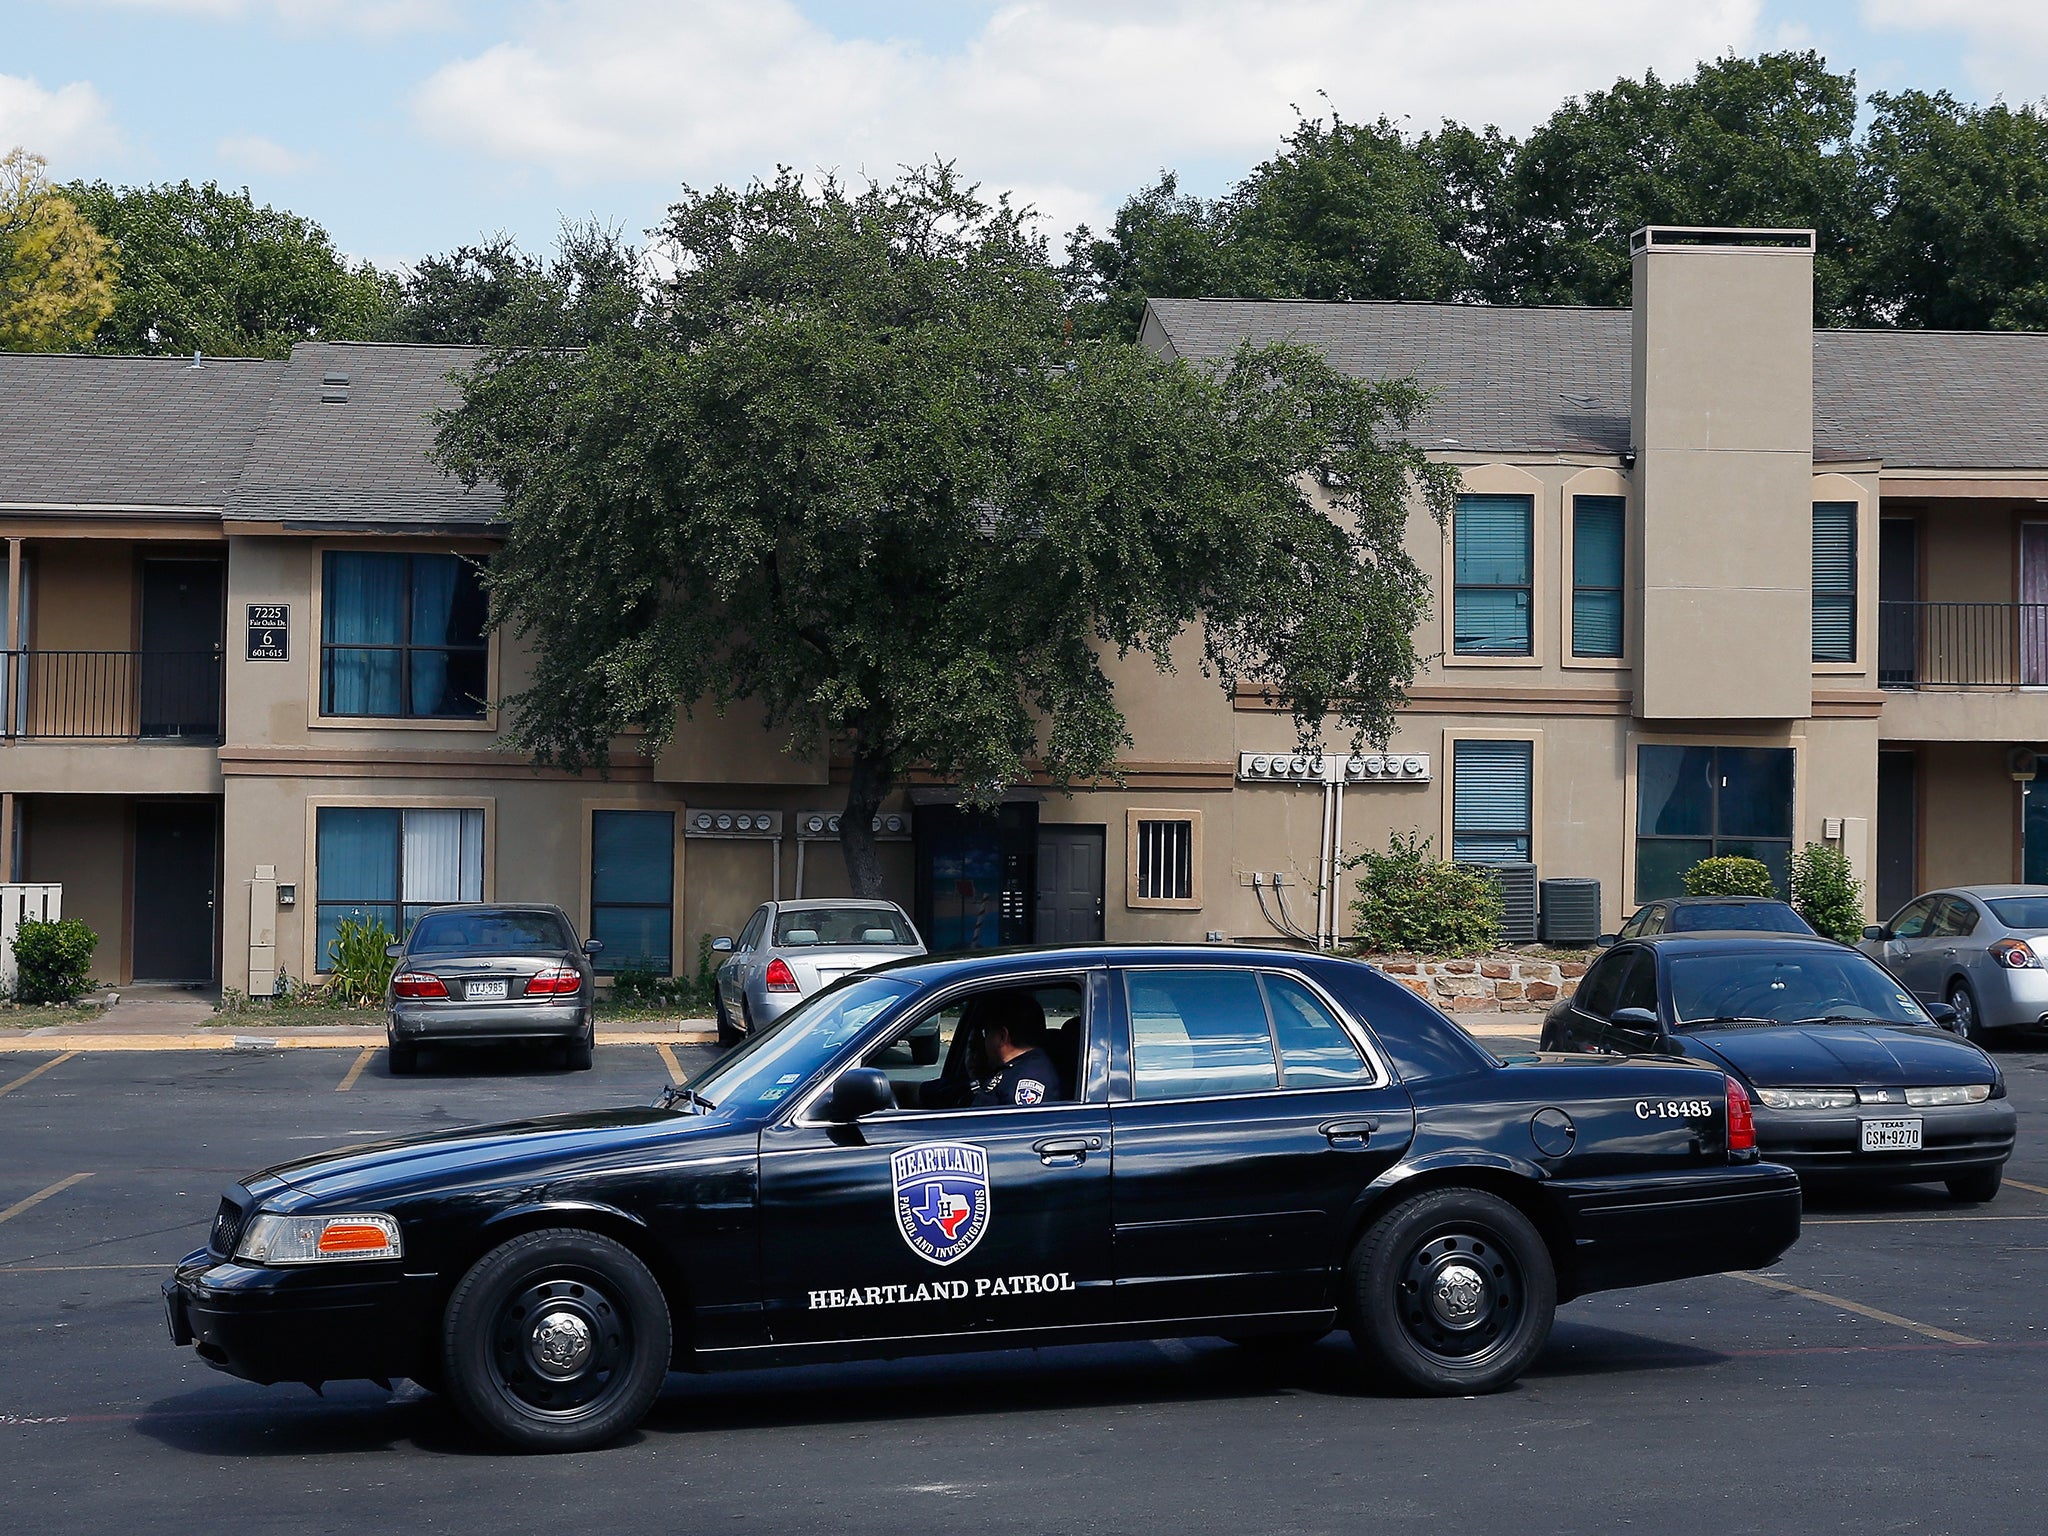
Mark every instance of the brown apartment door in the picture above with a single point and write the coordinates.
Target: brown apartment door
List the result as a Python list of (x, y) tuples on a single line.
[(177, 879), (180, 666), (1069, 885)]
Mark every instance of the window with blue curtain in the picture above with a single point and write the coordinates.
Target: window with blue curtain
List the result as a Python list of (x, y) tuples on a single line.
[(1492, 801), (1494, 567), (391, 863), (632, 889), (1597, 533), (1834, 581), (402, 636)]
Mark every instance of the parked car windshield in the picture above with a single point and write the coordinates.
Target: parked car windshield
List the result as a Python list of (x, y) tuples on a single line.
[(2020, 911), (785, 1055), (1737, 917), (798, 926), (447, 933), (1838, 986)]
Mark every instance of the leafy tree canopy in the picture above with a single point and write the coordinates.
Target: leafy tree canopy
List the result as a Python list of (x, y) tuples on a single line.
[(208, 270), (848, 462), (56, 270), (456, 299)]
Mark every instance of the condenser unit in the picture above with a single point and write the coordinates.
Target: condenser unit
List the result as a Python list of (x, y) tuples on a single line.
[(1571, 909), (1517, 884)]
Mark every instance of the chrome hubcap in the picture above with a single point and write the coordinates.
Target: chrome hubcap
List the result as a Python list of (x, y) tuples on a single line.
[(1459, 1296), (560, 1344)]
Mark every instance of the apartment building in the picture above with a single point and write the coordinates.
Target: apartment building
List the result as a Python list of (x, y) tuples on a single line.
[(1716, 583)]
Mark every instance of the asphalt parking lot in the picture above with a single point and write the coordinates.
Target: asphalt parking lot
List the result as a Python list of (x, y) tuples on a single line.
[(1888, 1375)]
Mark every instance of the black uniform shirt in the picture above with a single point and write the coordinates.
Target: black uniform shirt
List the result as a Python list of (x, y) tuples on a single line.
[(1027, 1079)]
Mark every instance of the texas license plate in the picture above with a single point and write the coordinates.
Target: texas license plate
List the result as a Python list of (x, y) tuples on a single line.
[(483, 991), (1891, 1135)]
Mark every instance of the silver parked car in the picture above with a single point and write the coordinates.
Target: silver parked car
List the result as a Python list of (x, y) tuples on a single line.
[(791, 949), (1982, 949), (490, 973)]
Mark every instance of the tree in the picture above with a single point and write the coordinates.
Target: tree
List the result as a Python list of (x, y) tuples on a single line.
[(203, 269), (456, 299), (848, 464), (56, 271)]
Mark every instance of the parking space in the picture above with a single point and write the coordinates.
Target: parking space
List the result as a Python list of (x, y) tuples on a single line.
[(1718, 1404)]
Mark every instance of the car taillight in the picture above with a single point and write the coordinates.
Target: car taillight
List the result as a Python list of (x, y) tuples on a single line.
[(1741, 1121), (780, 978), (418, 984), (2016, 955), (556, 979)]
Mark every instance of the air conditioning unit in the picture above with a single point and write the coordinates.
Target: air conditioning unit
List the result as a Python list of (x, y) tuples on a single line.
[(1571, 909), (1517, 884)]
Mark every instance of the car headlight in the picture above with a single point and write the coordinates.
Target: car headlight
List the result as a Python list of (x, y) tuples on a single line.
[(1952, 1093), (1806, 1098), (273, 1239)]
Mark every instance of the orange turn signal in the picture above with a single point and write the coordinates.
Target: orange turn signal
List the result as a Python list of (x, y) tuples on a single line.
[(352, 1237)]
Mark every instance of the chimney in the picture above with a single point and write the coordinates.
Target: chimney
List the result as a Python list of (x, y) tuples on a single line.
[(1721, 425)]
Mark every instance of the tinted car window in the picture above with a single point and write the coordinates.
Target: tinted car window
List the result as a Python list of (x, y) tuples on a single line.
[(1198, 1032), (1597, 992), (1911, 923), (841, 925), (782, 1058), (2021, 911), (1634, 925), (1639, 986), (1953, 919), (751, 934), (1738, 917), (1315, 1050), (447, 933), (1788, 987)]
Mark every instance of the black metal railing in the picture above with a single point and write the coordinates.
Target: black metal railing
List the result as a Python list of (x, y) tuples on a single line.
[(1962, 645), (110, 695)]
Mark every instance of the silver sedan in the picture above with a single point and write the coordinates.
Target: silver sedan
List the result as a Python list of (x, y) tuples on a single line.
[(791, 949), (1982, 949)]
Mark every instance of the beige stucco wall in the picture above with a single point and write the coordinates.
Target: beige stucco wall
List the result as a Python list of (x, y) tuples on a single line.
[(82, 843), (1969, 815)]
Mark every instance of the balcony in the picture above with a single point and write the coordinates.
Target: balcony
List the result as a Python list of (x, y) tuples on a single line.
[(152, 697), (1964, 671)]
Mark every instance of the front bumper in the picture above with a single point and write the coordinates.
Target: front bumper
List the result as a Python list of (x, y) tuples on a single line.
[(366, 1321), (424, 1022), (1826, 1143)]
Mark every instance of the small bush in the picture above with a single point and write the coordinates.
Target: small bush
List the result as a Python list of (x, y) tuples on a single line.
[(1412, 902), (360, 970), (641, 986), (1731, 876), (52, 960), (1827, 895)]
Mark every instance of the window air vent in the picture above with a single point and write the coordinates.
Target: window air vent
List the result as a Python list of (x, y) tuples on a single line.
[(334, 387)]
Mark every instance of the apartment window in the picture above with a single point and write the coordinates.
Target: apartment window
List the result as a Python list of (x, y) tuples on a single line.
[(1492, 801), (402, 637), (633, 889), (391, 863), (1834, 581), (1597, 524), (1696, 803), (1494, 563), (1165, 859)]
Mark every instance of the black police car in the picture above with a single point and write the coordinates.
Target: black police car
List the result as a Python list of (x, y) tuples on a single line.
[(1257, 1144)]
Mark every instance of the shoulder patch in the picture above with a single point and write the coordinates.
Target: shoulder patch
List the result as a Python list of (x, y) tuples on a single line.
[(1030, 1091)]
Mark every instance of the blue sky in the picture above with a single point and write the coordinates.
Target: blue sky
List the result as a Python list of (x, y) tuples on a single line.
[(410, 126)]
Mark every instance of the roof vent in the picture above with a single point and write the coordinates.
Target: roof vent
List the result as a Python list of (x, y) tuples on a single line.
[(198, 360), (334, 387)]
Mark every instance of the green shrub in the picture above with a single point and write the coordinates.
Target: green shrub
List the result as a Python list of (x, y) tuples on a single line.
[(359, 968), (1412, 902), (53, 960), (1731, 876), (1827, 895)]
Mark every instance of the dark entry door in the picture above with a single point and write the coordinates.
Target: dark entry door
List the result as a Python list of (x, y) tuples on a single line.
[(180, 666), (177, 863), (1898, 608), (1069, 885), (1898, 834)]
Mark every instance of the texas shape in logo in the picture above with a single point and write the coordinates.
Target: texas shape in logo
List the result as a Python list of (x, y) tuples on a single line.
[(942, 1199)]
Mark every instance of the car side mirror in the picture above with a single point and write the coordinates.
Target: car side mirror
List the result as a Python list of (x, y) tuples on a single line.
[(1606, 941), (1639, 1019), (393, 951), (1876, 931), (859, 1091), (592, 946), (1942, 1014), (721, 946)]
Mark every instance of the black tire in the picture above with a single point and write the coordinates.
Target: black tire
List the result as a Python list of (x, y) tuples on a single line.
[(1964, 1001), (577, 1053), (924, 1050), (608, 1325), (403, 1060), (1452, 1292), (1978, 1186), (728, 1032)]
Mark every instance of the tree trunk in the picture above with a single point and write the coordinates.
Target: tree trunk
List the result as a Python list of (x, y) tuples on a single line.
[(870, 784)]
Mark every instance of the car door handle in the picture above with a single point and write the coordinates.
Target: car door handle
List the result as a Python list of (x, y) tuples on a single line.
[(1066, 1151), (1349, 1133)]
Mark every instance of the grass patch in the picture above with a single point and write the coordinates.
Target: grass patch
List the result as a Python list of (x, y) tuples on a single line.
[(43, 1015)]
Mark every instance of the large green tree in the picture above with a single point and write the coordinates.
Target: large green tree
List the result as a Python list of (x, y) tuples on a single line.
[(849, 463), (56, 270), (458, 298), (207, 269)]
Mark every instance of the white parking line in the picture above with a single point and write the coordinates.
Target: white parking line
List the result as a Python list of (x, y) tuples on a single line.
[(1925, 1329), (41, 1195)]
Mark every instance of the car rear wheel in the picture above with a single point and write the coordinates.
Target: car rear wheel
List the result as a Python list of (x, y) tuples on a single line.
[(402, 1059), (577, 1054), (1964, 1001), (1977, 1186), (1452, 1292), (556, 1341)]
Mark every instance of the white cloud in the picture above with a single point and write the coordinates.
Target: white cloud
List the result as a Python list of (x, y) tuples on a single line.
[(264, 157), (2005, 42), (71, 122), (376, 18), (1078, 101)]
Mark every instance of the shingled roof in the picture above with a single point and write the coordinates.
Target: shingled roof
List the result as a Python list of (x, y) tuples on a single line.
[(1556, 380), (134, 435)]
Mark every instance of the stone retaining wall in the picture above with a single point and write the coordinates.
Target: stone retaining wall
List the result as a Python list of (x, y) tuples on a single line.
[(1507, 982)]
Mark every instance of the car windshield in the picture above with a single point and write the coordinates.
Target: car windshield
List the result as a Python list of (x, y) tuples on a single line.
[(1789, 987), (449, 933), (1737, 917), (2021, 911), (788, 1053), (796, 927)]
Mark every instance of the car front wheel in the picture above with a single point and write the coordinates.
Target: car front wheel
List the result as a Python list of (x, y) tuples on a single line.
[(556, 1341), (1977, 1186), (1452, 1292)]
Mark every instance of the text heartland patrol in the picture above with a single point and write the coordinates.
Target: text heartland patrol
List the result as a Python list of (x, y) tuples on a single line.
[(942, 1290)]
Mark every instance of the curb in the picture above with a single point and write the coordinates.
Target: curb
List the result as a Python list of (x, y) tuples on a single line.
[(223, 1040)]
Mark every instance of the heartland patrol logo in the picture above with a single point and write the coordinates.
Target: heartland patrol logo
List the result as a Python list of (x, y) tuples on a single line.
[(942, 1202)]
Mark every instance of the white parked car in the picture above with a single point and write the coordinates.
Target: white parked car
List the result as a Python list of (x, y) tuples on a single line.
[(791, 949)]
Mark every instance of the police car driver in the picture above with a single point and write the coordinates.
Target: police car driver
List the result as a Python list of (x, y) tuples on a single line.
[(1013, 1043)]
